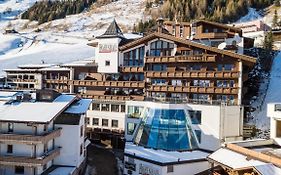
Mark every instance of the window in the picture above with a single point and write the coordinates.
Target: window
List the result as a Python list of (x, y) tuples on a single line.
[(81, 130), (10, 127), (228, 67), (81, 149), (95, 121), (198, 135), (19, 170), (107, 63), (96, 106), (114, 123), (44, 166), (170, 168), (87, 120), (195, 117), (104, 122), (134, 111), (105, 107), (123, 108), (181, 31), (131, 128), (114, 108), (9, 148), (277, 107), (220, 66)]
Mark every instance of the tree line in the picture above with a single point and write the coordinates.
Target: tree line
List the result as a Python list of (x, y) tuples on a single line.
[(44, 11), (216, 10)]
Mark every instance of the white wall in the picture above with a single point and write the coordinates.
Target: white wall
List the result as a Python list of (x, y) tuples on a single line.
[(179, 169), (102, 55), (70, 141), (120, 116)]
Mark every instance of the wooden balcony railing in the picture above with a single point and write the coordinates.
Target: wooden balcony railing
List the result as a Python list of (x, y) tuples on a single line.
[(30, 139), (211, 35), (131, 69), (181, 59), (192, 74), (113, 97), (122, 84), (193, 89), (13, 160)]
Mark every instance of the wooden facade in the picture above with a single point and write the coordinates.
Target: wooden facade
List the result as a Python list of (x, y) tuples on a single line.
[(163, 65)]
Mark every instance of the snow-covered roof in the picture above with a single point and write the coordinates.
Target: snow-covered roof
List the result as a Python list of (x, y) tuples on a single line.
[(233, 159), (80, 63), (55, 68), (80, 107), (7, 95), (34, 66), (41, 112), (268, 169), (161, 156)]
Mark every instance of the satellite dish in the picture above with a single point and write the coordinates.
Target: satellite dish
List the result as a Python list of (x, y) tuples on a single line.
[(222, 46)]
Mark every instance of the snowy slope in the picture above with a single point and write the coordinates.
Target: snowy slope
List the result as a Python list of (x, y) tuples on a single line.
[(272, 95), (62, 40), (252, 15)]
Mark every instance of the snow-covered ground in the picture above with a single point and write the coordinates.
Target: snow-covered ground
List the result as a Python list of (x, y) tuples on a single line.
[(61, 40), (271, 89), (252, 15)]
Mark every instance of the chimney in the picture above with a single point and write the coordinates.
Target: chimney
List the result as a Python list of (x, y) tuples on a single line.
[(160, 22)]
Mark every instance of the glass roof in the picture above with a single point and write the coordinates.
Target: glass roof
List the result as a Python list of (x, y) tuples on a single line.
[(167, 129)]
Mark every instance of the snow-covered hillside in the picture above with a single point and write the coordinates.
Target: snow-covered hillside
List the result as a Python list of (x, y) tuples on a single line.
[(62, 40)]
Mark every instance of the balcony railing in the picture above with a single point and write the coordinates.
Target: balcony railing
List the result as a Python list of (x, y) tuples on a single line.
[(176, 100), (30, 139), (211, 35), (193, 89), (13, 160), (22, 80), (181, 59), (131, 69), (192, 74), (125, 84), (114, 97)]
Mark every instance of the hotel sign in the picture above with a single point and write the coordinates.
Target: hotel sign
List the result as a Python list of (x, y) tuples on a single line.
[(148, 170), (108, 48)]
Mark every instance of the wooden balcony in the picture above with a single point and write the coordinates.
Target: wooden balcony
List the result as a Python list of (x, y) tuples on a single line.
[(121, 84), (193, 89), (181, 59), (211, 35), (30, 139), (113, 97), (192, 74), (131, 69), (12, 160)]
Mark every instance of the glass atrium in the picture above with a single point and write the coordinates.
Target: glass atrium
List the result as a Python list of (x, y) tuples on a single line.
[(166, 129)]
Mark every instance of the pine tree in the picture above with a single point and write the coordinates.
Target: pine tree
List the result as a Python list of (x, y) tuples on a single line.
[(275, 19)]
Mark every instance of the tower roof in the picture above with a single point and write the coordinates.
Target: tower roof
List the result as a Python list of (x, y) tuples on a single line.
[(112, 31)]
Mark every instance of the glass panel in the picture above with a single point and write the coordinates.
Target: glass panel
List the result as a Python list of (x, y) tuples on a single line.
[(167, 129)]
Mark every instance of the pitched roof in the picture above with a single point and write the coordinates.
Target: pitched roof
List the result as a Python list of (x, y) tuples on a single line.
[(112, 31), (236, 29), (154, 35)]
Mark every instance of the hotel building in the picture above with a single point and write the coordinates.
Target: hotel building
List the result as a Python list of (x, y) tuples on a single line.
[(35, 131), (200, 63)]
